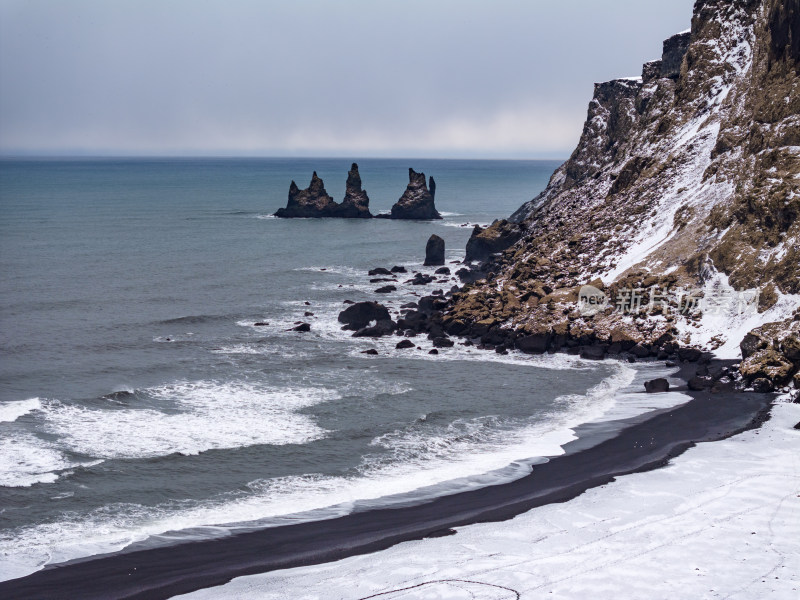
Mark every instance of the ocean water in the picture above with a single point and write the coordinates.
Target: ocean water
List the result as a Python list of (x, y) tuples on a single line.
[(140, 404)]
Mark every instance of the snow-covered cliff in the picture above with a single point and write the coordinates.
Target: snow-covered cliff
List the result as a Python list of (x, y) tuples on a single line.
[(679, 205)]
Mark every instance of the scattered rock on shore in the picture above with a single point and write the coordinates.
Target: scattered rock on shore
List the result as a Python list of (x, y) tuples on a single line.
[(656, 386), (359, 315), (379, 329)]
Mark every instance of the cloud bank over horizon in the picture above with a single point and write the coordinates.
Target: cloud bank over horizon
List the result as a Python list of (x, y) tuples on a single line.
[(508, 79)]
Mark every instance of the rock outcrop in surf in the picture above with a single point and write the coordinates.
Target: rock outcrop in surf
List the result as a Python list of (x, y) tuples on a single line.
[(417, 202), (312, 202), (356, 202), (434, 251)]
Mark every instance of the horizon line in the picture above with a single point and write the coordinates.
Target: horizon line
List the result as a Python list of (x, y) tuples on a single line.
[(44, 156)]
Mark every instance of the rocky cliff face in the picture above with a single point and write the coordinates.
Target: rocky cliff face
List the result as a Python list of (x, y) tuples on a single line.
[(685, 184)]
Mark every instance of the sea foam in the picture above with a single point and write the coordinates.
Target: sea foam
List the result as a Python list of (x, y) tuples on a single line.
[(204, 415), (11, 411)]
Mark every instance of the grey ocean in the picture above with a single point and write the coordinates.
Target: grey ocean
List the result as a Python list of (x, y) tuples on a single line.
[(140, 404)]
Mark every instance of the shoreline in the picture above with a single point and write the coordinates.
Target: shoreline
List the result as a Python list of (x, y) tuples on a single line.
[(163, 572)]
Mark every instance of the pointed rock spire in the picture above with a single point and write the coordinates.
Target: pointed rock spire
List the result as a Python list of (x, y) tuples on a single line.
[(417, 201), (356, 202)]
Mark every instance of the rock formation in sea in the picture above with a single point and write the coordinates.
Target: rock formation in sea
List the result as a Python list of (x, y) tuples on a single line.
[(679, 206), (356, 202), (417, 202), (314, 201), (434, 251)]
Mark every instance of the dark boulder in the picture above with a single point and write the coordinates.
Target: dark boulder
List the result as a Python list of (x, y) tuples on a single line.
[(378, 271), (260, 324), (356, 202), (417, 201), (429, 304), (469, 275), (495, 238), (593, 352), (359, 315), (399, 269), (656, 386), (442, 271), (371, 352), (762, 385), (313, 201), (434, 251), (538, 343), (413, 321), (434, 351), (443, 342), (455, 326), (640, 351), (751, 344), (387, 289), (689, 354), (403, 344), (421, 279), (303, 327), (381, 328)]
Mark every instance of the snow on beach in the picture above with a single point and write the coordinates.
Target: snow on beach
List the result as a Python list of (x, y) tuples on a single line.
[(721, 521)]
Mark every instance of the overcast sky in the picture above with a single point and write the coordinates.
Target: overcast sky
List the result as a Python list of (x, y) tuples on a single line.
[(496, 78)]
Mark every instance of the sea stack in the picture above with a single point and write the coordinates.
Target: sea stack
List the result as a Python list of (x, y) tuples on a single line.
[(417, 201), (356, 202), (434, 251), (313, 201)]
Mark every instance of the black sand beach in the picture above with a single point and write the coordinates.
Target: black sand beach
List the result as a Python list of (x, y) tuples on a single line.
[(167, 571)]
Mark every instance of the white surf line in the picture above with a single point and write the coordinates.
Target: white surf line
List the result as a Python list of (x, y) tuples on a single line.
[(722, 521)]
